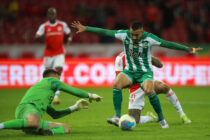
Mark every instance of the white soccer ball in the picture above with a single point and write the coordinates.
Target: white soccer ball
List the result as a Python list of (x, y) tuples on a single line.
[(127, 122)]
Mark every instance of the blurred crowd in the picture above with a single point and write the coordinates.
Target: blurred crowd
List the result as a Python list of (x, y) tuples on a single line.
[(175, 20)]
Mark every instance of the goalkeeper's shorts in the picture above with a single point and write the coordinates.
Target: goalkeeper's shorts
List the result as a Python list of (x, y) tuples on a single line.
[(23, 110)]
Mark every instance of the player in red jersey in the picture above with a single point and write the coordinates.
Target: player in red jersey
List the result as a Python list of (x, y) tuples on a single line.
[(136, 98), (53, 30)]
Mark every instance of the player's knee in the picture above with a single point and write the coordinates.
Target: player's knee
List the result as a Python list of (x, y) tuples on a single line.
[(117, 85), (161, 87), (32, 121), (148, 91)]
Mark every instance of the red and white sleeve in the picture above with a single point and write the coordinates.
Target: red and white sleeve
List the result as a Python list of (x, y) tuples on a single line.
[(40, 31), (118, 64), (66, 29)]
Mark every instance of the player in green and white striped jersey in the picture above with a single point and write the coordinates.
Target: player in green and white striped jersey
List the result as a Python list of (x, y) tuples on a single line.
[(137, 47)]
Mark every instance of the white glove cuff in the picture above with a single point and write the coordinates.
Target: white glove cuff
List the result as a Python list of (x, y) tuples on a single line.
[(73, 108)]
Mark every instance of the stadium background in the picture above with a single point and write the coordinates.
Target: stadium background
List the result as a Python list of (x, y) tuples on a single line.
[(180, 21), (90, 63)]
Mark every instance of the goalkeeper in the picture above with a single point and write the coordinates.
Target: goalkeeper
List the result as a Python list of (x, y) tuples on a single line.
[(37, 101)]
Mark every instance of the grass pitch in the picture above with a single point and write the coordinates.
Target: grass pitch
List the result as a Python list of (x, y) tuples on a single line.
[(91, 124)]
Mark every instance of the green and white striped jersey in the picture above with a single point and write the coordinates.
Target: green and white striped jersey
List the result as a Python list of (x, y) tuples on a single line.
[(138, 55)]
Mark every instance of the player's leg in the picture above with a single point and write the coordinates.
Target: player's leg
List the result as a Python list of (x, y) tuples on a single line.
[(161, 87), (59, 128), (148, 87), (26, 117), (121, 81), (58, 63), (31, 121), (136, 104)]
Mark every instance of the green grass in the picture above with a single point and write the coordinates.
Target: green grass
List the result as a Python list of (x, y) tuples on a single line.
[(91, 124)]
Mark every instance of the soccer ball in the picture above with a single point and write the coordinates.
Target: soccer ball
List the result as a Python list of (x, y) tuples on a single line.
[(127, 122)]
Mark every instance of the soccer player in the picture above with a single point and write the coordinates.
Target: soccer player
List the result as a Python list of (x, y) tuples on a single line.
[(137, 47), (54, 31), (136, 98), (37, 101)]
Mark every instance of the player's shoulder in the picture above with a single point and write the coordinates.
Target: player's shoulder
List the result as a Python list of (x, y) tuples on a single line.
[(61, 22), (45, 23), (150, 35), (123, 31), (122, 54)]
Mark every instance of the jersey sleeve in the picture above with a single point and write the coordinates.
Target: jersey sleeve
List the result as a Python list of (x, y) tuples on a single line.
[(58, 85), (40, 31), (118, 64), (55, 114), (121, 34), (156, 41), (66, 29)]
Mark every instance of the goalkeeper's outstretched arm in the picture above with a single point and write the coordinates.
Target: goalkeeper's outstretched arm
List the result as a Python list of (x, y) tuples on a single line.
[(55, 114)]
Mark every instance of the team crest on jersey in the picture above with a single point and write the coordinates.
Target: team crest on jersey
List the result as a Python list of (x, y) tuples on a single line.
[(59, 28), (145, 44), (135, 46)]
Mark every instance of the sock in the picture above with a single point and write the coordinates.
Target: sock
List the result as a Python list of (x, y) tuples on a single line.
[(155, 102), (45, 125), (117, 101), (1, 126), (58, 130), (57, 94), (175, 102), (14, 124), (145, 119)]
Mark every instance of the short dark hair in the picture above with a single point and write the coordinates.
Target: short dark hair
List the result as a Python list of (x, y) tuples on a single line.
[(136, 25), (48, 72)]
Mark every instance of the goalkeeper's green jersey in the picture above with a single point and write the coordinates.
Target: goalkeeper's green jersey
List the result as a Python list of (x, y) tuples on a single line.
[(42, 93), (138, 55)]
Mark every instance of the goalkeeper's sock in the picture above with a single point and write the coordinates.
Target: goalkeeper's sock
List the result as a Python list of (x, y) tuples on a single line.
[(45, 125), (14, 124), (58, 130), (155, 102), (117, 101), (175, 102)]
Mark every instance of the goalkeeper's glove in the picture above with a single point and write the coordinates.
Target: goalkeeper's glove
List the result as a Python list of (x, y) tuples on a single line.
[(95, 97), (80, 104)]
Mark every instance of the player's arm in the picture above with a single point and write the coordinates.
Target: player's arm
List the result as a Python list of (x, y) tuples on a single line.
[(69, 32), (172, 45), (40, 33), (58, 85), (99, 31), (55, 114), (156, 62)]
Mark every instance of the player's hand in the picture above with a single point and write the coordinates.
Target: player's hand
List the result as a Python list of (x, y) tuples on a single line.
[(80, 28), (95, 97), (82, 104), (194, 50)]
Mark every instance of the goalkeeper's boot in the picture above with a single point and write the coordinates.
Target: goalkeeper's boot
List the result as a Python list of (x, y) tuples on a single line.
[(185, 119), (154, 118), (164, 124), (114, 120), (56, 101)]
